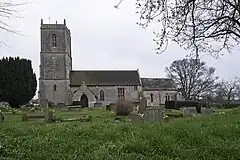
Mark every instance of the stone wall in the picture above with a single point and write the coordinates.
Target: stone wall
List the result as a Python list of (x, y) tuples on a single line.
[(110, 93), (159, 97), (53, 66), (60, 95)]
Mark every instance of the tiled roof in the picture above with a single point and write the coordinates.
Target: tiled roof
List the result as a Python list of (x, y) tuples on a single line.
[(105, 77), (157, 83)]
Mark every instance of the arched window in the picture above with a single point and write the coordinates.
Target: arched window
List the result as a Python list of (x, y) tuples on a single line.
[(101, 95), (55, 87), (151, 97), (54, 40)]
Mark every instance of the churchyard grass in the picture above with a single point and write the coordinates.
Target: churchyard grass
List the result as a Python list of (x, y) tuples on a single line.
[(205, 137)]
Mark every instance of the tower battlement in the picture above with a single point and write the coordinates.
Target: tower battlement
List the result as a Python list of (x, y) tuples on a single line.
[(54, 26)]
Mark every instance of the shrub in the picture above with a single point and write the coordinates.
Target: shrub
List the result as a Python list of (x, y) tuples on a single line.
[(230, 106), (123, 107)]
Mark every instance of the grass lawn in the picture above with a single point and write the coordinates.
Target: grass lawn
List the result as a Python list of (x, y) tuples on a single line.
[(208, 137)]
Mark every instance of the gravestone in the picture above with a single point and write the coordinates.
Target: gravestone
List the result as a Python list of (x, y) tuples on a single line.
[(142, 105), (97, 105), (189, 111), (153, 114), (45, 104), (61, 105), (135, 118), (112, 107), (74, 108), (1, 117), (206, 111)]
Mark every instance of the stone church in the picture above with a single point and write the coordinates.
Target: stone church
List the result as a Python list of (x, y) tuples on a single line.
[(59, 83)]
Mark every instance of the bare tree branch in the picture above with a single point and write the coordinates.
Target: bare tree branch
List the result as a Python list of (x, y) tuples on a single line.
[(197, 25), (9, 10)]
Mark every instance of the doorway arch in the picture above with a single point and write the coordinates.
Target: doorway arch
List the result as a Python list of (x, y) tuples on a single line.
[(84, 100)]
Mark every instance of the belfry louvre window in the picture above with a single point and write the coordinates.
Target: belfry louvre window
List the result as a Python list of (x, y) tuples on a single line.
[(54, 40), (121, 93)]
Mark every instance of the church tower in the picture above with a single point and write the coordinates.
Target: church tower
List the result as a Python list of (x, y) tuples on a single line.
[(55, 63)]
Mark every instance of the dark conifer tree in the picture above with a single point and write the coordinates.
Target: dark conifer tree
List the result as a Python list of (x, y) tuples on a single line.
[(18, 83)]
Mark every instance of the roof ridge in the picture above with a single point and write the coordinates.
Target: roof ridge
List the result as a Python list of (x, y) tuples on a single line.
[(155, 78), (102, 70), (105, 77)]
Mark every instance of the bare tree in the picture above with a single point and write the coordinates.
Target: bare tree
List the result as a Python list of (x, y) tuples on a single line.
[(8, 10), (197, 25), (228, 90), (193, 77)]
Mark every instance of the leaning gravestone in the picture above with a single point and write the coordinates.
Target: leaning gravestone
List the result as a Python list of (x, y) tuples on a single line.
[(1, 117), (189, 111), (142, 105), (153, 114)]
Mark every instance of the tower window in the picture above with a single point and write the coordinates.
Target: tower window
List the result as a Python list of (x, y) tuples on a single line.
[(54, 40), (55, 87), (101, 95), (151, 97)]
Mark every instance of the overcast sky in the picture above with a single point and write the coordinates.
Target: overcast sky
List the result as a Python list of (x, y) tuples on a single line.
[(102, 38)]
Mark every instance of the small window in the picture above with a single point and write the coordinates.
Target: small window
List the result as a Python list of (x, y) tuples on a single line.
[(54, 40), (101, 95), (151, 97), (55, 87), (135, 88), (121, 93), (167, 98)]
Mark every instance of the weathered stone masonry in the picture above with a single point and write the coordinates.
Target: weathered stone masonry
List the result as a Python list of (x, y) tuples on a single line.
[(55, 62)]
